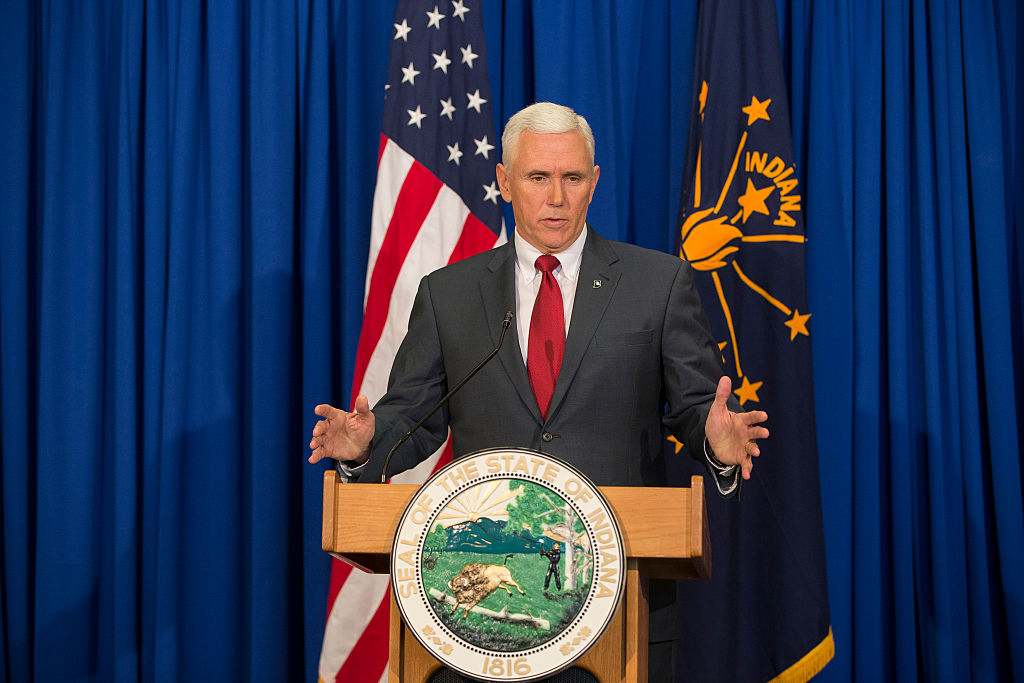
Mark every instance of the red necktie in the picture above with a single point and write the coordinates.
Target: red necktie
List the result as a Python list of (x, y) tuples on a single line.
[(547, 335)]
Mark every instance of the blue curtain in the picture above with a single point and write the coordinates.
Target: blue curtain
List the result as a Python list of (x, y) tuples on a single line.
[(913, 170), (184, 214)]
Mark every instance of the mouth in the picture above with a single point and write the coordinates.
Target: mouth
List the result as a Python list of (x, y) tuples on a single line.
[(554, 222)]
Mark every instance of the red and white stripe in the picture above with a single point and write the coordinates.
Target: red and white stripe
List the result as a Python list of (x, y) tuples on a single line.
[(418, 225)]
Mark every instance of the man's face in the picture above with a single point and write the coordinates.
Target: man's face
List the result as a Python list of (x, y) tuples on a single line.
[(550, 182)]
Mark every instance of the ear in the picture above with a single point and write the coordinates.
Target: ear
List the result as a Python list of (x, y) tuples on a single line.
[(597, 174), (503, 184)]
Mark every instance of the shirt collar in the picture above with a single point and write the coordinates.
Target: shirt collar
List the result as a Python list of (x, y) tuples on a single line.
[(570, 257)]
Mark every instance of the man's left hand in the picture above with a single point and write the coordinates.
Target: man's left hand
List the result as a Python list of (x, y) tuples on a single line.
[(733, 436)]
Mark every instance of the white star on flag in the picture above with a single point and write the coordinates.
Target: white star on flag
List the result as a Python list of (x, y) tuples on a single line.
[(482, 146), (435, 19), (410, 74), (441, 61), (454, 153), (468, 55), (415, 116), (459, 10), (492, 193), (402, 31), (447, 108), (475, 100)]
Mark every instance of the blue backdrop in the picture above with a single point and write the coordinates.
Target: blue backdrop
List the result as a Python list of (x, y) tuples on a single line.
[(185, 192)]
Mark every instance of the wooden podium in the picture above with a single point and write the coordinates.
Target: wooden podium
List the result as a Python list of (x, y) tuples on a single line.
[(664, 531)]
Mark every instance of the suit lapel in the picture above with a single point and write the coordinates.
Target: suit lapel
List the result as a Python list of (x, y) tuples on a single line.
[(594, 288), (497, 289)]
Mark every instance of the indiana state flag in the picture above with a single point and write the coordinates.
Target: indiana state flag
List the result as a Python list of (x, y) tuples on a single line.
[(764, 614)]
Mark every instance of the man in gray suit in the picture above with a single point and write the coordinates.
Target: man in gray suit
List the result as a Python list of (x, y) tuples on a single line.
[(638, 358), (612, 347)]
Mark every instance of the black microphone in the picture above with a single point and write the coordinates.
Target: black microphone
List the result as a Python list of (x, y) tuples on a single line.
[(505, 324)]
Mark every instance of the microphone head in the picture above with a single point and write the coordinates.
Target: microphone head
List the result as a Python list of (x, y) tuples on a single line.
[(508, 319)]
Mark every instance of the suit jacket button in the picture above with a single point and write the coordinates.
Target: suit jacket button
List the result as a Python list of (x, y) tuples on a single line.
[(547, 436)]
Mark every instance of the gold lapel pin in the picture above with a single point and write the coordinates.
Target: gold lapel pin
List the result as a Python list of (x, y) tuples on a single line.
[(597, 284)]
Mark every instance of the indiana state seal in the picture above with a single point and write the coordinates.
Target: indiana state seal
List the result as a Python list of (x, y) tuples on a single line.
[(508, 565)]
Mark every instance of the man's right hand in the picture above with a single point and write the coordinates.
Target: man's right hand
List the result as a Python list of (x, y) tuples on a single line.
[(343, 436)]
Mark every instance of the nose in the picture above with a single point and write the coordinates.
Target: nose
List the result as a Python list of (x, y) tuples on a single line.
[(556, 197)]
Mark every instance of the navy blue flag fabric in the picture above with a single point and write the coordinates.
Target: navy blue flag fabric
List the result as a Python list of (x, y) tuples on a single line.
[(765, 613)]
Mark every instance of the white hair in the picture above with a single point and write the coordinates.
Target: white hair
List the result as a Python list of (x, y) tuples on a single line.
[(542, 118)]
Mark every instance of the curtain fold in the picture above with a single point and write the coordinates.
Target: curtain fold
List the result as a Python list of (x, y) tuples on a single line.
[(185, 192), (912, 281)]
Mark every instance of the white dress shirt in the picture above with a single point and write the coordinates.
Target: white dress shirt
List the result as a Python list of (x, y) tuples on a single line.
[(528, 280)]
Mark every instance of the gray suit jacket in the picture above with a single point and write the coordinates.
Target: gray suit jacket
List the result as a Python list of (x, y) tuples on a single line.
[(639, 361)]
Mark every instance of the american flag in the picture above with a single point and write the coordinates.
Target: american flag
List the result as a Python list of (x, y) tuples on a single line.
[(436, 202)]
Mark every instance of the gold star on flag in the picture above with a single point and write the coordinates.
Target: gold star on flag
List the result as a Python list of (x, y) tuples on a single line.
[(797, 324), (677, 442), (721, 348), (748, 391), (753, 200), (757, 110)]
